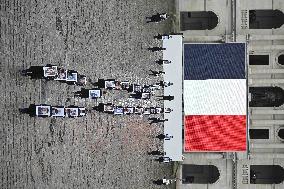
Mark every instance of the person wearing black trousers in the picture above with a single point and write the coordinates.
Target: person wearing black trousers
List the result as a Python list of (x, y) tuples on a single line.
[(158, 182), (169, 98), (161, 136), (163, 159), (164, 84), (157, 17), (156, 73), (166, 137), (162, 36), (157, 120), (161, 62), (155, 152), (153, 49), (84, 93)]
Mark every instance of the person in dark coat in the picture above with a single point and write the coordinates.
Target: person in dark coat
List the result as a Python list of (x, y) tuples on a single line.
[(163, 159), (159, 36), (156, 73), (158, 182), (35, 72), (84, 93), (153, 49), (99, 108), (169, 98), (153, 119), (157, 17), (157, 120), (161, 62), (164, 84), (163, 181), (31, 110), (155, 152), (161, 136), (137, 95), (162, 36), (166, 137), (168, 110)]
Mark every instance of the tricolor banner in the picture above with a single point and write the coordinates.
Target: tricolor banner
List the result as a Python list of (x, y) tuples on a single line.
[(215, 97)]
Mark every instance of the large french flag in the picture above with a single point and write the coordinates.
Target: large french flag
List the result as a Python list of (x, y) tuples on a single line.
[(215, 97)]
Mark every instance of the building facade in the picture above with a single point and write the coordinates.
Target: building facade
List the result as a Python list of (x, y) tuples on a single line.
[(259, 24)]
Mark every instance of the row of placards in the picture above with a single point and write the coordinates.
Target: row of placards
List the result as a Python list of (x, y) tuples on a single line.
[(59, 111), (119, 110)]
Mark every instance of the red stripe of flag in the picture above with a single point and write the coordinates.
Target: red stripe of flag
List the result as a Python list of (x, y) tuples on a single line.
[(215, 133)]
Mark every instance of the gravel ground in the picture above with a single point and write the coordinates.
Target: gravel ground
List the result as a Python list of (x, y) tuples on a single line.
[(98, 38)]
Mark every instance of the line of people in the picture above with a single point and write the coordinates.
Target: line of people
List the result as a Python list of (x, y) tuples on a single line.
[(53, 72), (120, 110), (44, 110), (162, 158)]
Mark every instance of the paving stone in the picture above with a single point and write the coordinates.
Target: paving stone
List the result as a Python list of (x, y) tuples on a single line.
[(101, 39)]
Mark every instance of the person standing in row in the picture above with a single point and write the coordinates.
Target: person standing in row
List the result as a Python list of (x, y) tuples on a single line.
[(155, 152), (163, 159), (154, 49), (157, 120), (156, 73), (162, 36), (169, 98), (157, 18), (166, 137), (161, 62)]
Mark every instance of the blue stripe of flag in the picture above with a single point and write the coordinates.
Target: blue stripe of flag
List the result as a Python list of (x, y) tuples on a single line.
[(214, 61)]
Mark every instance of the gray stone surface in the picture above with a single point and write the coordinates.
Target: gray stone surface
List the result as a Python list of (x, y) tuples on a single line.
[(102, 39)]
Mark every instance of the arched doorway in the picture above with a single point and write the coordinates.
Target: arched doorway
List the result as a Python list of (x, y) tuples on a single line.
[(265, 19), (281, 59), (266, 96), (266, 174), (199, 174), (198, 20)]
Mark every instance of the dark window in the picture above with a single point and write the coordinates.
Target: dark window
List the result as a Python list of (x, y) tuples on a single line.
[(281, 59), (199, 20), (265, 19), (199, 174), (281, 133), (259, 133), (266, 96), (266, 174), (259, 59)]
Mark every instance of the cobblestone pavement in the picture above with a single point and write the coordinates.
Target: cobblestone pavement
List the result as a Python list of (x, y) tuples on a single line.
[(101, 39)]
